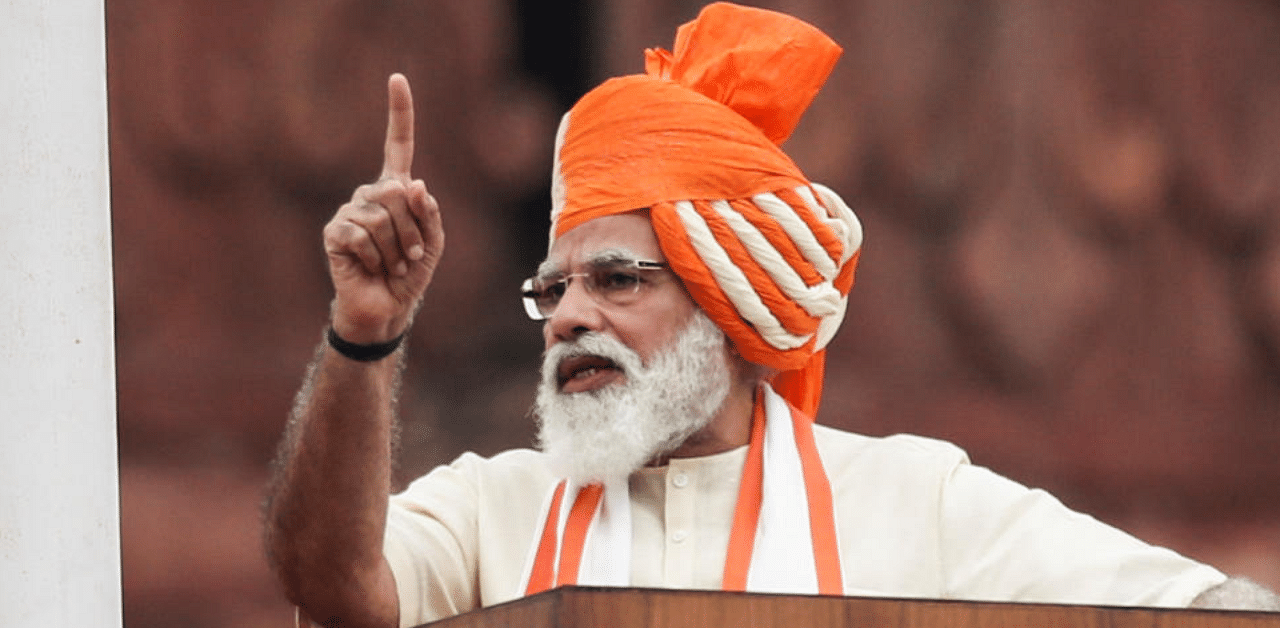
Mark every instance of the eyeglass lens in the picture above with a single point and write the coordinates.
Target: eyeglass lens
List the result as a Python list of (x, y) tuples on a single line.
[(618, 284)]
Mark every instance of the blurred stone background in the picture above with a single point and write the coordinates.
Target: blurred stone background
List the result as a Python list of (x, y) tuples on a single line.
[(1071, 269)]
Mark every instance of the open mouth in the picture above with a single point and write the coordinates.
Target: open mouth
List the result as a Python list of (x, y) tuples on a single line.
[(586, 372)]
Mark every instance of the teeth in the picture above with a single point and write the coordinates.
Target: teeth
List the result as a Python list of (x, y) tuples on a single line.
[(586, 373)]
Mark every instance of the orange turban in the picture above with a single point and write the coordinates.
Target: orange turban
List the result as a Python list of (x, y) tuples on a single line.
[(767, 254)]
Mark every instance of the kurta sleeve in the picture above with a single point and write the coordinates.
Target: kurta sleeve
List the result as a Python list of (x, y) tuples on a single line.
[(431, 541), (1003, 541)]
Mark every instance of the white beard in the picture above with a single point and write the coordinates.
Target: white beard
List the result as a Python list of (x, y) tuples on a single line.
[(614, 431)]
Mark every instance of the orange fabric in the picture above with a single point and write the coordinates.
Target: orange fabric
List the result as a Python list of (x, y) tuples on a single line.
[(793, 317), (778, 239), (703, 123), (844, 282), (822, 232), (639, 140), (746, 514), (701, 284), (783, 71), (822, 512), (802, 387), (542, 576), (575, 532)]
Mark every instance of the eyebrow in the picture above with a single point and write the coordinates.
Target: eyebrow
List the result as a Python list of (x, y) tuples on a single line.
[(603, 257)]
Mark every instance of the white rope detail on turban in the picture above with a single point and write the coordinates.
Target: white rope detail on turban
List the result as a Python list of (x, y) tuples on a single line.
[(822, 301), (845, 223), (840, 219), (799, 232), (819, 300), (734, 283)]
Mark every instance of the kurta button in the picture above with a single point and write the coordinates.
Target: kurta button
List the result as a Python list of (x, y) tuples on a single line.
[(679, 536), (680, 480)]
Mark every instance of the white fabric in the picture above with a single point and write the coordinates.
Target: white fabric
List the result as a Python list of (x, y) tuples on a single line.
[(606, 559), (601, 565), (782, 561), (799, 232), (818, 300), (558, 191), (730, 278), (915, 519), (822, 300), (783, 558), (849, 230), (840, 218)]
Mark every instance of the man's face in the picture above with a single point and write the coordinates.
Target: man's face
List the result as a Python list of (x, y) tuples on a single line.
[(646, 325), (651, 411), (625, 379)]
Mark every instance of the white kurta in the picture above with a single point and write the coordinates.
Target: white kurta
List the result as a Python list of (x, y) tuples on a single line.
[(914, 519)]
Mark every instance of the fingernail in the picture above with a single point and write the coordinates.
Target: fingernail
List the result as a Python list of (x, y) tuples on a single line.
[(416, 252), (402, 268)]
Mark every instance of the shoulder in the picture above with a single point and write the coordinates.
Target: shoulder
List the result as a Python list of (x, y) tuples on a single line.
[(840, 447), (900, 473)]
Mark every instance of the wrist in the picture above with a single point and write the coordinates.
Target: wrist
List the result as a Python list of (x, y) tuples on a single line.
[(362, 352), (362, 325)]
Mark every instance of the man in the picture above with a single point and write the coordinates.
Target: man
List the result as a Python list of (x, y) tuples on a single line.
[(693, 279)]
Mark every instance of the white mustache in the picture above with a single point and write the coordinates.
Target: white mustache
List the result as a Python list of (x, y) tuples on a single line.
[(589, 344)]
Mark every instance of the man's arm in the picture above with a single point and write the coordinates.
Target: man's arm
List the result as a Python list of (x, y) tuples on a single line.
[(1009, 542), (327, 501)]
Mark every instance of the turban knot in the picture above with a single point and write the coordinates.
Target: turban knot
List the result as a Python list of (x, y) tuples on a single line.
[(769, 255)]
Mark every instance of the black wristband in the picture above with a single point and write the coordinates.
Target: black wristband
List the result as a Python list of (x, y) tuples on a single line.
[(363, 353)]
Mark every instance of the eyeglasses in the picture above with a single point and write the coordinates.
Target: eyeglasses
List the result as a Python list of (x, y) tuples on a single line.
[(615, 282)]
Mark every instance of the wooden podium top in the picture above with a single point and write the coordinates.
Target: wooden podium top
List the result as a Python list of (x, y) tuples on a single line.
[(582, 607)]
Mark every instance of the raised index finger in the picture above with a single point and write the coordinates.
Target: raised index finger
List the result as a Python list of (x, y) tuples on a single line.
[(397, 157)]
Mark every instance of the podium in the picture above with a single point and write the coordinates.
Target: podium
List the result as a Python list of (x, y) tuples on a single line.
[(590, 607)]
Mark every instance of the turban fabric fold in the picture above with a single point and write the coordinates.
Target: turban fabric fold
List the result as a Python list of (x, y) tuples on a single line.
[(769, 255)]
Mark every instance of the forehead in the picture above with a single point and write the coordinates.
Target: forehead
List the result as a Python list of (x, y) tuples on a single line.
[(630, 233)]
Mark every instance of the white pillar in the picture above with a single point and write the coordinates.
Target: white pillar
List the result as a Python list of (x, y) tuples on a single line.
[(59, 487)]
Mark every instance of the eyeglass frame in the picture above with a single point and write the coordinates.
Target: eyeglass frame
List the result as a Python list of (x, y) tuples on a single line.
[(529, 297)]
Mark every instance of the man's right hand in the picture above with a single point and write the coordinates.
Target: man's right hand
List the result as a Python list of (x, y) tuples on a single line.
[(384, 244)]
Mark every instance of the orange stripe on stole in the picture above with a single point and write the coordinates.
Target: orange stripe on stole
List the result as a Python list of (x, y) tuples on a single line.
[(746, 515), (575, 532), (746, 518), (822, 518), (543, 574)]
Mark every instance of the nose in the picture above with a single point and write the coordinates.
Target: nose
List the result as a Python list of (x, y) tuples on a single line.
[(577, 313)]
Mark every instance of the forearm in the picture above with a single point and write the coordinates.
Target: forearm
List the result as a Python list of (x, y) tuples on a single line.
[(327, 502)]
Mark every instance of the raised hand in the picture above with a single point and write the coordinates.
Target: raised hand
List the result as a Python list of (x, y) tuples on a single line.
[(384, 244)]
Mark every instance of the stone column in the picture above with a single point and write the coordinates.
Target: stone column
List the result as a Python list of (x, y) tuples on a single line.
[(59, 486)]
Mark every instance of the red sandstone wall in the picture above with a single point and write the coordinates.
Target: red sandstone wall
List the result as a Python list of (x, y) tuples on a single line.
[(1072, 264)]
